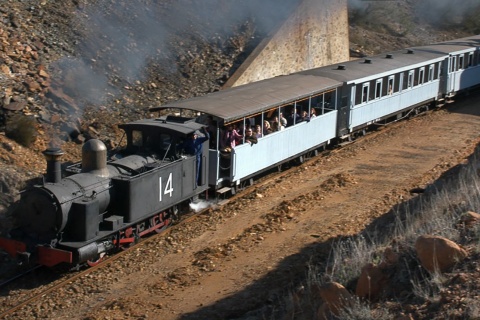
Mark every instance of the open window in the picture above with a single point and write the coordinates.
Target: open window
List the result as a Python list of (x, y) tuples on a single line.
[(391, 83), (408, 79), (431, 72), (378, 88), (470, 60), (365, 92), (461, 61), (453, 64), (421, 76)]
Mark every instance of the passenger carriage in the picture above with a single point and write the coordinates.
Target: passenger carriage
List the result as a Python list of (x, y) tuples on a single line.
[(462, 65), (263, 100), (394, 84), (348, 97)]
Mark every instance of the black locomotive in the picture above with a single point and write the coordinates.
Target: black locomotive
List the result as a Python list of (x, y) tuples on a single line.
[(101, 203)]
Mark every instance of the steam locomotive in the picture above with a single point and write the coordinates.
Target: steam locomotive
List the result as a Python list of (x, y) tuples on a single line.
[(103, 203)]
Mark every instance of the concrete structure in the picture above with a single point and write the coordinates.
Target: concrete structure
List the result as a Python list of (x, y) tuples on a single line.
[(316, 34)]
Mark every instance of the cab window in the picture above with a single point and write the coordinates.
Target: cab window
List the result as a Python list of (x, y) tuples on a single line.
[(137, 138)]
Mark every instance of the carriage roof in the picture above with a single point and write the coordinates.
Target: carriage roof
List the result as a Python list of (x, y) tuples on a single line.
[(242, 101), (385, 64)]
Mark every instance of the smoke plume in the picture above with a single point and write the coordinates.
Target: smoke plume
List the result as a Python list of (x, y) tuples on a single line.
[(121, 38)]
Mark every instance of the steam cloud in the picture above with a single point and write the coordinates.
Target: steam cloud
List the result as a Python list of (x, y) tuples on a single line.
[(123, 37)]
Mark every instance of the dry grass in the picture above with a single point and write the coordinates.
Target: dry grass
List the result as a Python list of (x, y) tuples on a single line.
[(438, 212)]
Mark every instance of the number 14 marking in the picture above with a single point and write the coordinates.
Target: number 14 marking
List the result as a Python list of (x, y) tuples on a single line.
[(168, 187)]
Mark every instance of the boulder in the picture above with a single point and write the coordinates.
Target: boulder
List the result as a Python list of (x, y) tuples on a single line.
[(335, 297), (390, 258), (470, 218), (15, 106), (371, 283), (437, 253)]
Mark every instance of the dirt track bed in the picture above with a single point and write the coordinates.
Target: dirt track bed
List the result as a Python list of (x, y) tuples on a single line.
[(246, 254)]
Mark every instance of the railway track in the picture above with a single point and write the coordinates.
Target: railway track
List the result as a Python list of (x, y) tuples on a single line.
[(69, 278)]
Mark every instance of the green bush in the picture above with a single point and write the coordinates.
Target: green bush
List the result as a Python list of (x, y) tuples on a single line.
[(21, 129)]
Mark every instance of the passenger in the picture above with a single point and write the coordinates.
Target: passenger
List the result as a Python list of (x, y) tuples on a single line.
[(293, 118), (193, 145), (230, 138), (313, 113), (304, 117), (266, 127), (275, 126), (250, 138), (274, 122), (283, 121), (258, 131), (241, 130)]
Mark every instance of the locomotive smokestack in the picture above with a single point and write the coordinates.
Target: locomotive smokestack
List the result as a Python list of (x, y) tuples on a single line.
[(54, 170)]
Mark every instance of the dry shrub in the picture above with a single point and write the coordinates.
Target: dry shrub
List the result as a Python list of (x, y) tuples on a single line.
[(21, 129)]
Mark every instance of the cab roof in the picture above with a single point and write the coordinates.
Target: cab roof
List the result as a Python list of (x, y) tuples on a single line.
[(169, 124)]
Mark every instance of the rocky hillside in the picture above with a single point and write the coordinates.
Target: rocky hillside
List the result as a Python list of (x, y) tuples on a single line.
[(74, 69)]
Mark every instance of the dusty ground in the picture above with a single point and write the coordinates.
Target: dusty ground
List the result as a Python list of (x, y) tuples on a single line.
[(245, 256)]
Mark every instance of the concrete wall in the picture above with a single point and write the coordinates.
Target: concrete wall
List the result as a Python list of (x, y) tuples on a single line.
[(316, 34)]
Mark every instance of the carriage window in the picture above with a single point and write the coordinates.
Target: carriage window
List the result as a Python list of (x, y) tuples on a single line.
[(329, 100), (460, 62), (137, 138), (365, 92), (358, 94), (421, 76), (470, 59), (378, 89), (390, 85), (371, 95), (385, 88), (453, 64), (397, 82), (408, 82), (431, 70), (415, 79)]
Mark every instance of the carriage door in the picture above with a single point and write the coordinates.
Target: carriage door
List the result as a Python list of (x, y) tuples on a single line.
[(452, 75), (344, 104)]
